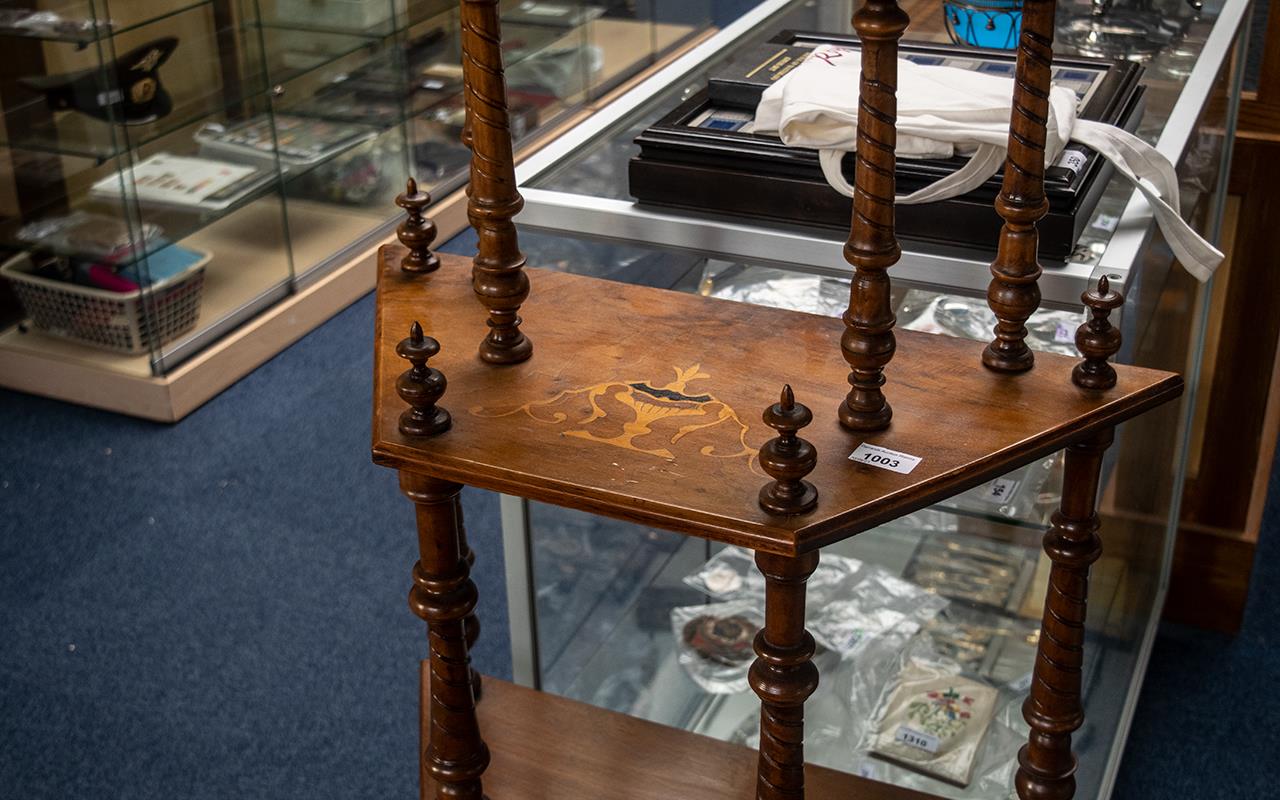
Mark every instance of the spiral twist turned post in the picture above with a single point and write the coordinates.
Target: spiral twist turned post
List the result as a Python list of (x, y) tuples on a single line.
[(421, 386), (498, 275), (417, 232), (1097, 339), (1053, 708), (444, 596), (1014, 294), (868, 342), (783, 675)]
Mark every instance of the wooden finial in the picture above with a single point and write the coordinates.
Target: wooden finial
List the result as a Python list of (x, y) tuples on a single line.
[(1097, 339), (421, 386), (498, 275), (868, 343), (788, 458), (1014, 294), (417, 232)]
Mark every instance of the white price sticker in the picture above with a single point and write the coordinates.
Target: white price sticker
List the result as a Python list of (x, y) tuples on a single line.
[(914, 738), (1064, 333), (1106, 222), (884, 458), (1072, 159), (1001, 490)]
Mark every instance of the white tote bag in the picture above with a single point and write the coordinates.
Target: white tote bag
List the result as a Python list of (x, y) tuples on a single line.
[(945, 112)]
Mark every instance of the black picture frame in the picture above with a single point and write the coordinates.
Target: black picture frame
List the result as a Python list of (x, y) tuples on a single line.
[(757, 176)]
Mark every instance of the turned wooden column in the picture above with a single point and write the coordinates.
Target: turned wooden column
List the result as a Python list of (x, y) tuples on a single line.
[(471, 625), (868, 343), (1014, 294), (498, 272), (783, 675), (1053, 709), (445, 597)]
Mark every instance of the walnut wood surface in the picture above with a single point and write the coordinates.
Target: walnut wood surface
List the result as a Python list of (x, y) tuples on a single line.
[(445, 597), (868, 342), (1014, 293), (969, 425), (498, 268), (550, 748), (783, 676), (1053, 709)]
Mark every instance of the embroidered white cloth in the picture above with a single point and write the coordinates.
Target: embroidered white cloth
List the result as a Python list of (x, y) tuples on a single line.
[(945, 112)]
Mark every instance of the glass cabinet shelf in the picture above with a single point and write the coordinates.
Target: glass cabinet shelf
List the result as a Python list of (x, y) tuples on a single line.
[(608, 600), (78, 25), (327, 108), (580, 183), (296, 15)]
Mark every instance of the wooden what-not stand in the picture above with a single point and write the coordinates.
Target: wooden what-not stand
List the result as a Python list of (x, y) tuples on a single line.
[(728, 422)]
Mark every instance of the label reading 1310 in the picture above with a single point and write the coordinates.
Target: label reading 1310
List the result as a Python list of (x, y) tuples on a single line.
[(884, 458), (914, 738)]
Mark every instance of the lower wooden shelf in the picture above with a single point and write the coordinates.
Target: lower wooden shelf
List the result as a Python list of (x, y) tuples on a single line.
[(545, 747)]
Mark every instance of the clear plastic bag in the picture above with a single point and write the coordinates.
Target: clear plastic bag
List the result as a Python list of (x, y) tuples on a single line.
[(732, 574), (869, 606), (777, 288), (1049, 330), (94, 237), (930, 718), (714, 643)]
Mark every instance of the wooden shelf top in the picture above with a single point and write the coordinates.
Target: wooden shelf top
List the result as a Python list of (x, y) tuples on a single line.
[(645, 405), (548, 748)]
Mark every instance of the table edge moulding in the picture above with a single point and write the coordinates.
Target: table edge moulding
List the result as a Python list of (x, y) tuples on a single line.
[(646, 405)]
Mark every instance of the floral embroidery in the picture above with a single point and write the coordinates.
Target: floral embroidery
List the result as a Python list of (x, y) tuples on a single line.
[(943, 714)]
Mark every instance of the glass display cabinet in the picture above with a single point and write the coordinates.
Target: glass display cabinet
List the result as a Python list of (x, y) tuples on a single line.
[(174, 168), (606, 614)]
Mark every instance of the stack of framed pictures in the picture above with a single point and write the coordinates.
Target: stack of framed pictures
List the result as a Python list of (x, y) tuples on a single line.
[(704, 156)]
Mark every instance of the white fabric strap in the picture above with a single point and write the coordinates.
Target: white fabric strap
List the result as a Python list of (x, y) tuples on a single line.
[(981, 165), (944, 112), (1154, 176)]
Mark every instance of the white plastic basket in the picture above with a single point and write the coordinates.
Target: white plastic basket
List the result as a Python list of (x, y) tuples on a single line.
[(126, 322)]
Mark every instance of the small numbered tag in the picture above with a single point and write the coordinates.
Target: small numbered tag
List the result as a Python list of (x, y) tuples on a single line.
[(884, 458), (1001, 490), (1064, 333), (1106, 222), (914, 738), (1072, 159)]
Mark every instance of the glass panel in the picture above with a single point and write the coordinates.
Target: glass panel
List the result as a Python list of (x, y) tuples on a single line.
[(599, 169), (339, 127), (76, 22), (558, 55), (217, 204), (614, 602), (165, 245)]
